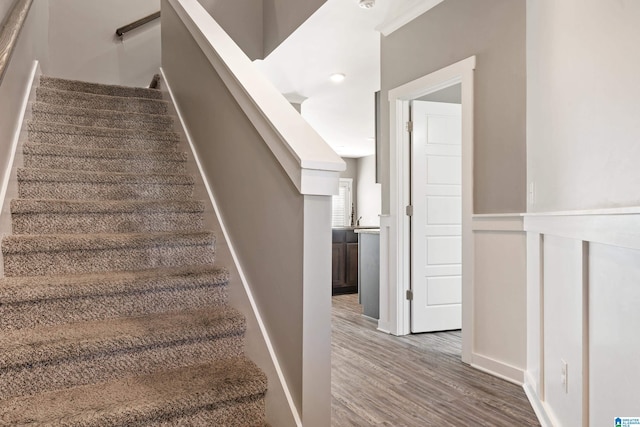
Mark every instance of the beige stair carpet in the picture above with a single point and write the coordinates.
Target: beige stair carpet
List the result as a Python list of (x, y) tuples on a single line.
[(112, 311)]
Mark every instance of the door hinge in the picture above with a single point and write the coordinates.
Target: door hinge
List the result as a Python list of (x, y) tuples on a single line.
[(409, 294), (410, 210), (410, 126)]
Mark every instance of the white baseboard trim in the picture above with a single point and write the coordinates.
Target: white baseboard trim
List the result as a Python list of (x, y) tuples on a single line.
[(241, 274), (537, 405), (498, 369)]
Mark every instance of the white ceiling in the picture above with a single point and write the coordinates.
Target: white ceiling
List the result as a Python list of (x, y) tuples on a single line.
[(339, 38)]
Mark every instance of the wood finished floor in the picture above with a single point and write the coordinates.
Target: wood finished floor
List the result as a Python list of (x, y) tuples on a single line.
[(414, 381)]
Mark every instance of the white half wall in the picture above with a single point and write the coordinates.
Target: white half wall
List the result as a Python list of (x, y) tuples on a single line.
[(83, 44)]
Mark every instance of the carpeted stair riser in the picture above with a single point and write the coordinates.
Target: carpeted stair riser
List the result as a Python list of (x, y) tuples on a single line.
[(161, 398), (57, 184), (60, 157), (73, 216), (37, 255), (86, 353), (98, 88), (108, 120), (101, 102), (241, 413), (29, 302), (63, 130), (115, 143)]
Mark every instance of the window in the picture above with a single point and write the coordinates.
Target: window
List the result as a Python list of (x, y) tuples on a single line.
[(342, 204)]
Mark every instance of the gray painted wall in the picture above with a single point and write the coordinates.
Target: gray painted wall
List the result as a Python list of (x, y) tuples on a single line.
[(282, 17), (242, 20), (583, 104), (83, 44), (4, 9), (494, 31), (246, 179)]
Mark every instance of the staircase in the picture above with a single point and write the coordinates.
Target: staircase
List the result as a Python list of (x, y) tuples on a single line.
[(111, 309)]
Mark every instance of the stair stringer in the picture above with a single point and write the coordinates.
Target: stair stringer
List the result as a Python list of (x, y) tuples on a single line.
[(280, 408), (9, 189)]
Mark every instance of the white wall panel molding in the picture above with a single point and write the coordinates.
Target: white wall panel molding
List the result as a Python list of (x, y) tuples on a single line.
[(611, 227), (582, 296), (499, 296)]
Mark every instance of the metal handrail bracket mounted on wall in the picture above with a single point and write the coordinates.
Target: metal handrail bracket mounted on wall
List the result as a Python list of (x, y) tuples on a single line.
[(120, 32)]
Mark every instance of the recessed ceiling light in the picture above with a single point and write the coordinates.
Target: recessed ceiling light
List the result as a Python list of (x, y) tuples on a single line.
[(366, 4), (337, 77)]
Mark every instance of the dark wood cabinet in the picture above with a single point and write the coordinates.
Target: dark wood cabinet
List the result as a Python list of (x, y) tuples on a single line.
[(344, 262)]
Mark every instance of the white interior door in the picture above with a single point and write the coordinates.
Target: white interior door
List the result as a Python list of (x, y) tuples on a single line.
[(436, 224)]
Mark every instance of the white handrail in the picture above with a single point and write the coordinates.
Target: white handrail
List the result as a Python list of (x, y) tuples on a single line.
[(310, 163)]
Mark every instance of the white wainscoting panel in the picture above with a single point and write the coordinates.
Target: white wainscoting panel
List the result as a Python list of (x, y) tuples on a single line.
[(614, 341), (562, 279), (583, 290), (499, 296), (534, 313)]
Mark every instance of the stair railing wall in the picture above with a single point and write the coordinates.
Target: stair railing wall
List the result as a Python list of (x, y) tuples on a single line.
[(22, 53), (271, 177)]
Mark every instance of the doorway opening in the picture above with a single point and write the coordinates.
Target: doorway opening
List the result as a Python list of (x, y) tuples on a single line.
[(396, 271)]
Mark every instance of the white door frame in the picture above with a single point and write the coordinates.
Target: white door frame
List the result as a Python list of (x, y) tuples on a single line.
[(395, 275)]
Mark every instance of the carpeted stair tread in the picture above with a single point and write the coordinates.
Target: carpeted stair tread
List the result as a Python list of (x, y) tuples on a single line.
[(113, 142), (43, 112), (49, 358), (53, 156), (101, 102), (24, 206), (29, 302), (17, 244), (52, 175), (101, 153), (63, 129), (55, 343), (147, 399), (35, 216), (37, 255), (98, 88), (94, 185), (14, 290)]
